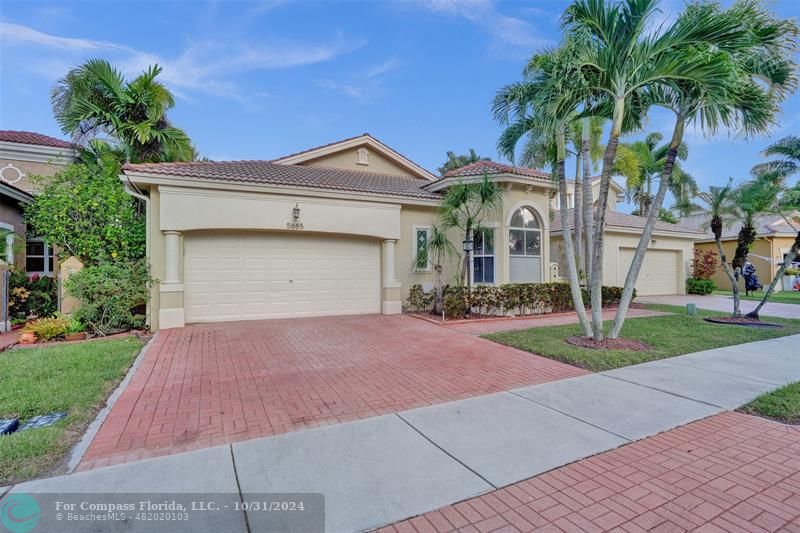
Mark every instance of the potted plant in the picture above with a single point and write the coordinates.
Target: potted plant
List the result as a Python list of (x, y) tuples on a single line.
[(789, 276), (75, 330), (27, 337)]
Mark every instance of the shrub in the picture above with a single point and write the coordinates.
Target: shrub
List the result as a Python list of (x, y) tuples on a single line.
[(700, 286), (34, 295), (417, 299), (455, 301), (704, 264), (74, 325), (48, 329), (111, 296), (791, 272)]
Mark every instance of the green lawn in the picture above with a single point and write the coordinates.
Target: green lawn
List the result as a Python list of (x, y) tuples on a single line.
[(669, 335), (783, 297), (76, 378), (782, 405)]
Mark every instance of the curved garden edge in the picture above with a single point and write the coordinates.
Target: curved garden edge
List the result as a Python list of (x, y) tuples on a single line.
[(741, 321), (140, 334)]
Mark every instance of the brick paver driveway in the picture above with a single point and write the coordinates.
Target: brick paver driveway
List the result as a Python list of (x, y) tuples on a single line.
[(209, 384)]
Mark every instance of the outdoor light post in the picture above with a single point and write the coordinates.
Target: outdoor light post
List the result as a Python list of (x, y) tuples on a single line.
[(468, 247)]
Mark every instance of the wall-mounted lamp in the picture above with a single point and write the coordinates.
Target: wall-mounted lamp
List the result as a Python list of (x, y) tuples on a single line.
[(468, 245), (296, 212)]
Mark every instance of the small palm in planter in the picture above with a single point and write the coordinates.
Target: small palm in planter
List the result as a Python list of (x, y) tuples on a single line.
[(75, 330)]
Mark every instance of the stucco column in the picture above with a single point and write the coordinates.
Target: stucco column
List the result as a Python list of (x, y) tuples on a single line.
[(391, 297), (171, 312), (10, 249), (172, 259)]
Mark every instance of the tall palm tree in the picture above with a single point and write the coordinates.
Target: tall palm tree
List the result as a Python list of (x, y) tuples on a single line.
[(721, 203), (753, 51), (94, 100), (651, 157), (753, 199), (620, 57)]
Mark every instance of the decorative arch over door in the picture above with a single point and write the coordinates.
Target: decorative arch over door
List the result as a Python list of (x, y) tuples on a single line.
[(525, 246)]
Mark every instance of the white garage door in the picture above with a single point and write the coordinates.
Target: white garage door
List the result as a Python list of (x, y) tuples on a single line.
[(253, 276), (660, 273)]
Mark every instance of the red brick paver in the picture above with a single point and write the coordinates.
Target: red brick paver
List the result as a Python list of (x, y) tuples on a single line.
[(727, 473), (210, 384)]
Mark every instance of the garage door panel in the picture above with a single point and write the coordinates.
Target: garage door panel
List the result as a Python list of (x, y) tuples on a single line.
[(660, 272), (239, 277)]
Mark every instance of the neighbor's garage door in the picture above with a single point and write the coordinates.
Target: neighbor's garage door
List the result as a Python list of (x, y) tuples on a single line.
[(660, 273), (253, 276)]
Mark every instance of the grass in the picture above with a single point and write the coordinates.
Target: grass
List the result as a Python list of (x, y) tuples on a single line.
[(783, 297), (76, 378), (782, 405), (669, 335)]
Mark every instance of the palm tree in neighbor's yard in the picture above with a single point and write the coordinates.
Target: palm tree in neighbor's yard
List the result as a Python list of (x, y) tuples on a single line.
[(756, 71), (457, 161), (95, 100), (721, 203), (779, 170)]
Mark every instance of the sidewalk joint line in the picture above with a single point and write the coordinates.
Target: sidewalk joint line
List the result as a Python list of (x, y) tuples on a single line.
[(450, 455), (239, 488), (728, 373), (667, 392), (628, 440)]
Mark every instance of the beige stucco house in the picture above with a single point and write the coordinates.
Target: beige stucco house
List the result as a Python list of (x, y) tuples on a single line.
[(328, 231), (24, 154), (774, 238), (666, 262)]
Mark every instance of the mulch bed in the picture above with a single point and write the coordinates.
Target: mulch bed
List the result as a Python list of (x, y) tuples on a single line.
[(609, 344), (741, 321)]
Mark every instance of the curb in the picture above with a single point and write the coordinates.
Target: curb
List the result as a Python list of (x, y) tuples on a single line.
[(79, 450)]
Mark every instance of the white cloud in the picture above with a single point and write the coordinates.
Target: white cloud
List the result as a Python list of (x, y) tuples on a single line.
[(507, 31), (382, 68), (205, 66), (364, 83), (344, 88)]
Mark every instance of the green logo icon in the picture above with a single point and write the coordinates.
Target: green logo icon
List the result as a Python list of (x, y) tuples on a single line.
[(19, 513)]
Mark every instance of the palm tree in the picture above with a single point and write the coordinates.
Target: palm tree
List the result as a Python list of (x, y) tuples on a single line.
[(94, 100), (457, 161), (753, 199), (540, 108), (651, 158), (721, 208), (788, 149), (748, 43), (465, 206), (437, 250), (620, 56)]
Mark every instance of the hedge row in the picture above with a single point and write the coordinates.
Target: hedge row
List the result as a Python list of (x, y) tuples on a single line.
[(519, 299)]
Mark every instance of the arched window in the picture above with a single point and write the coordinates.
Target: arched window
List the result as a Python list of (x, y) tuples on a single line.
[(525, 246)]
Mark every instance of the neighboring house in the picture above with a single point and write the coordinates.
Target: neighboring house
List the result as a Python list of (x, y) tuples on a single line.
[(328, 231), (616, 194), (24, 154), (774, 238), (666, 262)]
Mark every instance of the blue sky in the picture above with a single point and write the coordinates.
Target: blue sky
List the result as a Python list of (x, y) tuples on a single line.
[(256, 80)]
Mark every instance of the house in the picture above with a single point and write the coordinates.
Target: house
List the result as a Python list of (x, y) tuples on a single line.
[(24, 154), (327, 231), (666, 263), (774, 238)]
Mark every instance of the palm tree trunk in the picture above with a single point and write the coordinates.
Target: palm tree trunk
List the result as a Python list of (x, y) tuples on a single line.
[(647, 232), (730, 273), (438, 298), (578, 213), (778, 276), (572, 270), (596, 285), (587, 196)]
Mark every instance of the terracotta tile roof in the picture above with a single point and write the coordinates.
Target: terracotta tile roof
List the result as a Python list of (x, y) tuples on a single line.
[(268, 173), (766, 225), (287, 156), (29, 137), (479, 168), (615, 219), (16, 189)]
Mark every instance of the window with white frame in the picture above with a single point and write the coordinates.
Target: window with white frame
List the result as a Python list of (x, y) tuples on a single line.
[(39, 257), (483, 256), (422, 260)]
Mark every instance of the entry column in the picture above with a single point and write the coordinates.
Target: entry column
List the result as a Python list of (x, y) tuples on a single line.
[(390, 295), (170, 314)]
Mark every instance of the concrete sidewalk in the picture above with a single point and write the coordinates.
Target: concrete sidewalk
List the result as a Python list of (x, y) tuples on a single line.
[(384, 469), (725, 304)]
